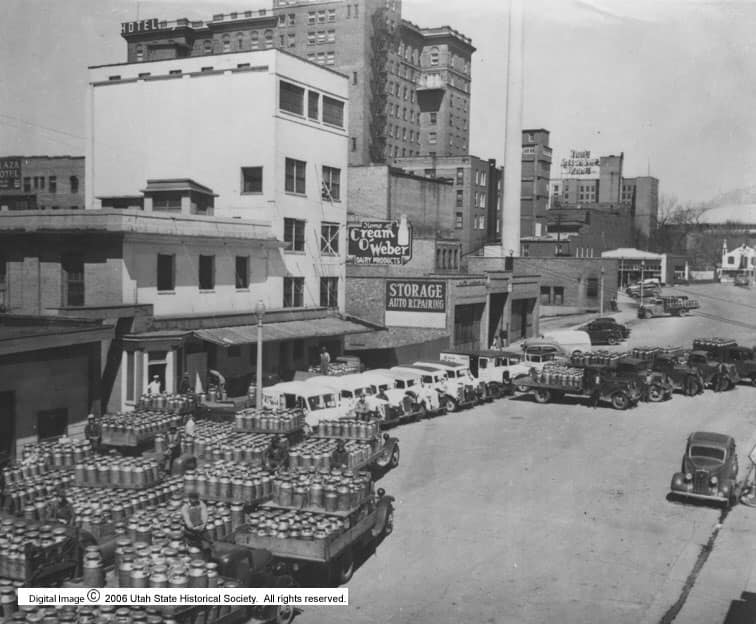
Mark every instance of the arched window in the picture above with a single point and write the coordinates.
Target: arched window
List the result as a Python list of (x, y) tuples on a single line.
[(434, 56), (208, 47), (239, 41), (254, 39), (226, 43), (268, 38), (139, 53)]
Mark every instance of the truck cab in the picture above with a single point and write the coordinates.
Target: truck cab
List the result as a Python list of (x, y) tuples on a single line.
[(460, 380), (743, 358), (712, 371), (350, 388), (490, 367), (430, 378), (319, 402), (407, 392)]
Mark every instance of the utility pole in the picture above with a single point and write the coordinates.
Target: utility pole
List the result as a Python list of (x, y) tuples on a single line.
[(643, 268), (601, 292)]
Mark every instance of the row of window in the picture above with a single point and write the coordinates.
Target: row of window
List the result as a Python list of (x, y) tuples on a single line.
[(292, 100), (321, 36), (295, 180), (317, 17), (402, 133), (294, 236), (324, 58), (393, 150), (552, 295), (38, 184), (479, 222), (394, 88)]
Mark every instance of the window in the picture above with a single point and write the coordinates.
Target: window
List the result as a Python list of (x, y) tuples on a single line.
[(331, 190), (239, 41), (321, 36), (293, 292), (592, 287), (354, 144), (227, 44), (545, 295), (268, 38), (331, 15), (311, 38), (292, 40), (434, 56), (321, 17), (73, 283), (207, 47), (166, 273), (329, 239), (74, 181), (295, 176), (254, 39), (333, 112), (330, 58), (166, 201), (311, 18), (53, 184), (354, 78), (433, 118), (242, 272), (282, 19), (558, 295), (321, 58), (139, 53), (460, 176), (313, 101), (291, 98), (27, 185), (331, 36), (206, 272), (458, 221), (329, 292), (252, 179), (294, 234), (432, 137)]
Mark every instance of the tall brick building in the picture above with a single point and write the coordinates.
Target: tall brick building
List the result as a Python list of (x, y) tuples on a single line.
[(409, 87), (41, 182), (536, 171)]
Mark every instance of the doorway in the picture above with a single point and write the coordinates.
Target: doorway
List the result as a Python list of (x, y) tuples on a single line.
[(7, 425)]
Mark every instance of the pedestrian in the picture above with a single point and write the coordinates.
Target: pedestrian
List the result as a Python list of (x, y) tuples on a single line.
[(595, 388), (214, 377), (172, 448), (340, 456), (186, 385), (154, 386), (361, 408), (276, 455), (194, 516), (93, 432), (720, 378), (189, 425), (325, 361), (62, 510)]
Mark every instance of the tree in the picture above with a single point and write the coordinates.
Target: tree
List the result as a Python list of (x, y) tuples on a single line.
[(674, 225)]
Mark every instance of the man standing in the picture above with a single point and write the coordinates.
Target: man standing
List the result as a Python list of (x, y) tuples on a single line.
[(172, 448), (154, 386), (93, 432), (186, 385), (340, 456), (189, 426), (194, 515), (362, 409), (63, 511), (325, 361), (275, 455)]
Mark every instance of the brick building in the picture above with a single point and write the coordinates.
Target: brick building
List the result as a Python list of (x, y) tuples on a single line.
[(536, 172), (477, 194), (41, 182), (473, 307), (409, 87), (642, 194)]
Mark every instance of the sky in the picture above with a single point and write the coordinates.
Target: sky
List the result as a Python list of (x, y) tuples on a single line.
[(670, 83)]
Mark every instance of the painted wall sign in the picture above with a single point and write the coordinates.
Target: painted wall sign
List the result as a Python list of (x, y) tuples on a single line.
[(380, 242), (10, 174), (416, 296), (148, 25), (580, 164)]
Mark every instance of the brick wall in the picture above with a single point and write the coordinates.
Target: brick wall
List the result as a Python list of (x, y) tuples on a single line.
[(572, 274)]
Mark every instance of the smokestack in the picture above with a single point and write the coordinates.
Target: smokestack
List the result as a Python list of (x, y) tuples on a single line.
[(510, 211)]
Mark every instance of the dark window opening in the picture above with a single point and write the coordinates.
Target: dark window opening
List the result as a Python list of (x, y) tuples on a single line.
[(293, 292), (73, 268), (329, 292), (252, 179), (294, 234), (207, 272), (166, 277), (242, 272), (291, 98), (295, 176)]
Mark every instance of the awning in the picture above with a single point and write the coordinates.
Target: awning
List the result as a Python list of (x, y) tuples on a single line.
[(289, 330), (395, 337)]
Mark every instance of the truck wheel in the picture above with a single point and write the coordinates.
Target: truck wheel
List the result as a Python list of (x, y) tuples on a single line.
[(284, 614), (421, 412), (542, 395), (344, 567), (655, 393), (395, 457), (612, 340), (620, 401), (646, 314), (450, 404), (518, 387)]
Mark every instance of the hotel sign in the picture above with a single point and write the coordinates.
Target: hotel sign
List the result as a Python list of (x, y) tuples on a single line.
[(10, 174), (148, 25), (580, 164), (379, 242)]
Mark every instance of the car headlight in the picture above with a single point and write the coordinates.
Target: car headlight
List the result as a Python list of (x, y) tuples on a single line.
[(688, 476), (714, 481)]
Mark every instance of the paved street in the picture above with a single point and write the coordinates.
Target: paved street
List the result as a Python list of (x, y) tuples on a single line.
[(517, 512)]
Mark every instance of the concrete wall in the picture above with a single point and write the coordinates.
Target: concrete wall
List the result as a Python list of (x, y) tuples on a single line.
[(48, 380), (207, 126)]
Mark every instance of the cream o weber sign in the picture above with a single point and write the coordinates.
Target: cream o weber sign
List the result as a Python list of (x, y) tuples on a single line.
[(415, 303), (380, 242)]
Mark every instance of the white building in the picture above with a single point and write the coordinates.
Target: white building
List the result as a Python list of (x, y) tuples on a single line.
[(265, 130), (741, 261)]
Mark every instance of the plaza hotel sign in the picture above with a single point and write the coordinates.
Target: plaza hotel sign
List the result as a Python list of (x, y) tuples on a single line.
[(10, 174), (580, 164), (140, 26)]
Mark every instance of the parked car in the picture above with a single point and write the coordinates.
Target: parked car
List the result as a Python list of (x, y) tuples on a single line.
[(709, 469), (651, 288), (603, 333), (567, 341), (610, 323)]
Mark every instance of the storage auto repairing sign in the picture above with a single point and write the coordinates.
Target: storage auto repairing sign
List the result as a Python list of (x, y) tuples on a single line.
[(416, 303), (380, 242)]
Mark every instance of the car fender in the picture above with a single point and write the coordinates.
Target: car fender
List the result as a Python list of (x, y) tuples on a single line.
[(384, 507)]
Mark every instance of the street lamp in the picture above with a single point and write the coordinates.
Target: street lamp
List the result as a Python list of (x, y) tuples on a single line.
[(260, 312)]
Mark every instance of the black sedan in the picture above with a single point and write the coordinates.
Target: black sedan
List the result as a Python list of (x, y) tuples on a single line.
[(609, 322), (603, 333)]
